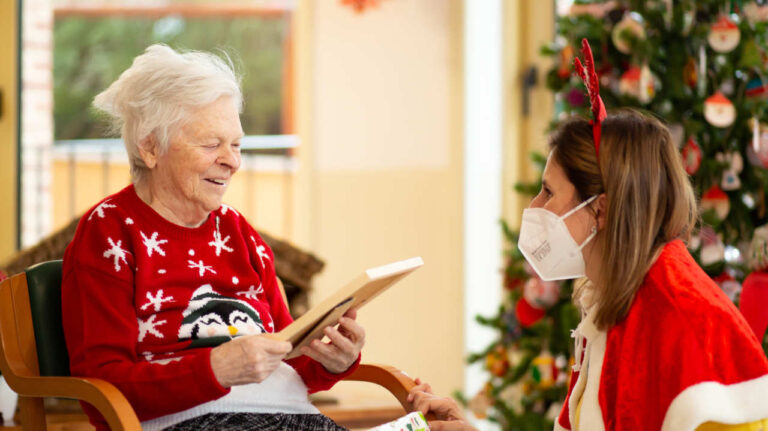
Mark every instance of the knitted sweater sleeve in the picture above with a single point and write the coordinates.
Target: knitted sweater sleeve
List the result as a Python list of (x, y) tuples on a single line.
[(101, 328), (314, 375)]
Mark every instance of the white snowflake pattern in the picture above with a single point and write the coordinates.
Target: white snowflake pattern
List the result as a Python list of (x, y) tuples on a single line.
[(219, 243), (128, 220), (116, 252), (225, 208), (161, 271), (252, 292), (153, 244), (235, 280), (99, 210), (149, 326), (200, 267), (156, 300), (191, 252), (260, 250), (165, 361)]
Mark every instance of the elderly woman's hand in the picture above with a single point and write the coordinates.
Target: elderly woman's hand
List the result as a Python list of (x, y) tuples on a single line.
[(449, 415), (344, 347), (247, 359)]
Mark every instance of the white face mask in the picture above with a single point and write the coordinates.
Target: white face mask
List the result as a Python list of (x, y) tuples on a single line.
[(549, 247)]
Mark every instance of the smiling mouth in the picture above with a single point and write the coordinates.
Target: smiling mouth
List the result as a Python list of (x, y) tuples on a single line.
[(217, 182)]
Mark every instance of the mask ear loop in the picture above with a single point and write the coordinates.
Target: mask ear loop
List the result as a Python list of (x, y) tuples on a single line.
[(593, 233), (578, 207)]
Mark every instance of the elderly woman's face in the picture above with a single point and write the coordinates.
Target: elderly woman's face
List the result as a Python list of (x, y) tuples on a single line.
[(201, 159)]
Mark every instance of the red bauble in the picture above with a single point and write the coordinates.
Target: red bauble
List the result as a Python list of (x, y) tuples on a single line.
[(691, 156), (754, 302), (527, 314)]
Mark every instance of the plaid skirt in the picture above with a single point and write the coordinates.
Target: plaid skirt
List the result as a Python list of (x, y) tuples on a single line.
[(257, 422)]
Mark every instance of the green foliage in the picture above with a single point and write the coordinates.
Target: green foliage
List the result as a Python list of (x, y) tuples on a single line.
[(89, 54)]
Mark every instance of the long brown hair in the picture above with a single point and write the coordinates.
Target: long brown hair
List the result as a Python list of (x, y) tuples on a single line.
[(649, 197)]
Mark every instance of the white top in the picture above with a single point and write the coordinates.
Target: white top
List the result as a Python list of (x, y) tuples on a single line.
[(281, 392)]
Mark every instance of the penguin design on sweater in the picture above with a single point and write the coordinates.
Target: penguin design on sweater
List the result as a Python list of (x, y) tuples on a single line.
[(211, 318)]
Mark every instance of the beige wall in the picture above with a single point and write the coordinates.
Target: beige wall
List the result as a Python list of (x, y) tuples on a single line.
[(263, 196), (8, 127), (524, 134), (380, 122)]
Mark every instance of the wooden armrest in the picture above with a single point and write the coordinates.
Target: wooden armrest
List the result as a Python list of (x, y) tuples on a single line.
[(102, 395), (395, 381)]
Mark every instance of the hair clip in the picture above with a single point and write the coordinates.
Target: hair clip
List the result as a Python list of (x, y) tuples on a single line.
[(589, 76)]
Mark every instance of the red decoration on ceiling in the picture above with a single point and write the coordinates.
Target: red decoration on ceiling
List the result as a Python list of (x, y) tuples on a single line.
[(360, 5)]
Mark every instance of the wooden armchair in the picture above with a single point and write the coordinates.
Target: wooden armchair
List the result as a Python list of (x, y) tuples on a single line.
[(35, 363)]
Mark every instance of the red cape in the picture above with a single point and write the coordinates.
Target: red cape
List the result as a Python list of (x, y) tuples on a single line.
[(683, 356)]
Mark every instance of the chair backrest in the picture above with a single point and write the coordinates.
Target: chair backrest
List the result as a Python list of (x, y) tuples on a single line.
[(44, 285)]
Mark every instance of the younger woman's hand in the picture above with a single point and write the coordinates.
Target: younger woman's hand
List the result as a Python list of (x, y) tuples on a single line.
[(448, 413)]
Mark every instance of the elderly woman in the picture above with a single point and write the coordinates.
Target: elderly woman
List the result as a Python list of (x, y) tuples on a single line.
[(160, 273)]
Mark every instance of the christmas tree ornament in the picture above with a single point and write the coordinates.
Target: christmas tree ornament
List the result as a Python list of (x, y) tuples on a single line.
[(734, 165), (759, 158), (754, 294), (716, 199), (543, 370), (758, 250), (575, 98), (729, 285), (541, 294), (512, 396), (482, 401), (512, 331), (596, 10), (527, 314), (628, 32), (756, 89), (755, 12), (753, 300), (638, 82), (677, 131), (719, 111), (690, 74), (496, 362), (566, 59), (512, 282), (724, 35), (691, 156), (712, 248)]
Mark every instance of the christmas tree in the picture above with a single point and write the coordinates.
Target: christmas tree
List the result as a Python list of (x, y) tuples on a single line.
[(702, 67)]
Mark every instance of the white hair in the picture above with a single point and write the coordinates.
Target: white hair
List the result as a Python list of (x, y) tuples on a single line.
[(156, 94)]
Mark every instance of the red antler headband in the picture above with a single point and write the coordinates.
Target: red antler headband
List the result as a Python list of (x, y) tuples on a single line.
[(588, 75)]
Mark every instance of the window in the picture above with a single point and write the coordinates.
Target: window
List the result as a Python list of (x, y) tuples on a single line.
[(74, 50)]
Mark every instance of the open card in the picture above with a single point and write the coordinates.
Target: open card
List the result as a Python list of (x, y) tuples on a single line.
[(355, 294)]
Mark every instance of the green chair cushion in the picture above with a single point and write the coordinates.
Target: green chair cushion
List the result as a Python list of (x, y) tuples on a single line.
[(44, 284)]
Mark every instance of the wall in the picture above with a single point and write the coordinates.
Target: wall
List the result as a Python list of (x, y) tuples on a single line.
[(524, 134), (380, 116), (260, 190), (8, 126)]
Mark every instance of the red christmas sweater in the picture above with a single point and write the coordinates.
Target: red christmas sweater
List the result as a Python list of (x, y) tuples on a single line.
[(145, 299)]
